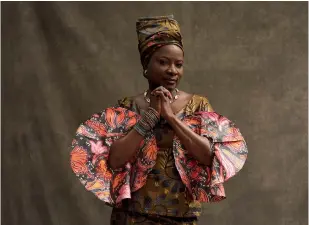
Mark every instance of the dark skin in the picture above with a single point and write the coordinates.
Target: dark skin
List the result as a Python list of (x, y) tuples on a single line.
[(164, 72)]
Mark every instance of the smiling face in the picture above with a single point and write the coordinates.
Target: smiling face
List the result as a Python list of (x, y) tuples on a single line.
[(165, 67)]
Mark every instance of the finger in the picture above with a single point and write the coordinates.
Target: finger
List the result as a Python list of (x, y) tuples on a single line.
[(161, 88), (165, 91), (162, 95), (169, 95), (157, 89), (159, 92)]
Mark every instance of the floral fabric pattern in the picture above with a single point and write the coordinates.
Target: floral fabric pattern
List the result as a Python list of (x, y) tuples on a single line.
[(91, 145)]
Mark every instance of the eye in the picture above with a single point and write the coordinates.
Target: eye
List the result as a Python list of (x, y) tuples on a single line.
[(179, 65), (162, 62)]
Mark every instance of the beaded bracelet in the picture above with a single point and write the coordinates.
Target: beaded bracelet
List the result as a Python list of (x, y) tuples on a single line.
[(148, 121)]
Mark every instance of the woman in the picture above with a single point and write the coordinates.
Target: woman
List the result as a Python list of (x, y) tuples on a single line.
[(157, 156)]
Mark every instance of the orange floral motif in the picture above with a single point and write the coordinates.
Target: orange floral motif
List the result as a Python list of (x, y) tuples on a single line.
[(131, 114), (202, 195), (94, 185), (83, 131), (151, 151), (131, 122), (98, 127), (102, 170), (118, 179), (78, 160), (120, 116), (110, 117)]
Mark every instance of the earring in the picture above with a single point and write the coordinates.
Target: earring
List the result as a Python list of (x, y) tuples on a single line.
[(145, 73)]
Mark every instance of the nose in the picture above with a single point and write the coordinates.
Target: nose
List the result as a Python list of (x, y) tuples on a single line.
[(172, 70)]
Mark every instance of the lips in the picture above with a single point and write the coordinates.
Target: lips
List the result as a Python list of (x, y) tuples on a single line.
[(171, 81)]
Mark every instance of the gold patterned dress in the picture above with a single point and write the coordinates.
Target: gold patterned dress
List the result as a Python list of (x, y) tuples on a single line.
[(163, 183), (164, 198)]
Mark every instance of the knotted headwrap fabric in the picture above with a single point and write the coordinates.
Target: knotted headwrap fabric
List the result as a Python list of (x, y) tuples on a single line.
[(155, 32)]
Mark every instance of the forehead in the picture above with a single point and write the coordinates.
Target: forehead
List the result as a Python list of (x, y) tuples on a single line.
[(169, 51)]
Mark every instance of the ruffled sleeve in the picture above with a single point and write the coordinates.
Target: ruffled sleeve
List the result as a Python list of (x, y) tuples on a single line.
[(90, 151), (229, 153)]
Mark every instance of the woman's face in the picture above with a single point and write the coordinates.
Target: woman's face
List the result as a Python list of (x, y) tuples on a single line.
[(165, 67)]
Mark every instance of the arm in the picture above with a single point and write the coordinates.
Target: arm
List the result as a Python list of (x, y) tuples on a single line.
[(124, 149), (198, 146)]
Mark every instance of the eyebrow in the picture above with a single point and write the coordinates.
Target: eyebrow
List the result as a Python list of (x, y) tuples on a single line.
[(166, 57)]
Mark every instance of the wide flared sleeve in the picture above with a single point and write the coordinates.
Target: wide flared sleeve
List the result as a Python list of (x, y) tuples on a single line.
[(229, 153), (90, 151)]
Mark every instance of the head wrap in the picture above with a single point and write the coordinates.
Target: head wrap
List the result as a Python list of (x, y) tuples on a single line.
[(155, 32)]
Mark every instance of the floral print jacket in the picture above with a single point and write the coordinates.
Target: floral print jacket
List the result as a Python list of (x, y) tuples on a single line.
[(91, 144)]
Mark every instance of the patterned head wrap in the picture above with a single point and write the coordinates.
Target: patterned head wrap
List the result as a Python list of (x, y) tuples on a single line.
[(155, 32)]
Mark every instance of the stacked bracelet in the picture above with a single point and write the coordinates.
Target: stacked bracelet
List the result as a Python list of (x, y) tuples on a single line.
[(148, 121)]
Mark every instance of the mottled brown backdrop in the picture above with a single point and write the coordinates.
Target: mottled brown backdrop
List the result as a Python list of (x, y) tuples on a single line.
[(63, 61)]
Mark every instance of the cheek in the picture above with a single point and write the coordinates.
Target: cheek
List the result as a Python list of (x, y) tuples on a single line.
[(153, 75), (180, 73), (156, 71)]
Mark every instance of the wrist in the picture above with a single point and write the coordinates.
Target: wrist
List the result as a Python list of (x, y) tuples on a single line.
[(171, 119), (154, 112), (147, 122)]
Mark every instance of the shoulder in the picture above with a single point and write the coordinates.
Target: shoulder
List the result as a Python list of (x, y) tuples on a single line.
[(200, 103), (202, 99), (125, 102), (131, 103), (204, 104)]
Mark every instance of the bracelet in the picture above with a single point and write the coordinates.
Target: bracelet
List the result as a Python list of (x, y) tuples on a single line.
[(148, 121)]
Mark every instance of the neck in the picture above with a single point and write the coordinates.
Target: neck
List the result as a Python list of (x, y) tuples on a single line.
[(152, 87)]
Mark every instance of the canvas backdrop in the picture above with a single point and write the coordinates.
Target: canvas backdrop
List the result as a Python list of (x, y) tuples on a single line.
[(63, 61)]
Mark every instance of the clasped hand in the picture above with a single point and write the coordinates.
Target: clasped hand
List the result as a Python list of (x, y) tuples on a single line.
[(160, 99)]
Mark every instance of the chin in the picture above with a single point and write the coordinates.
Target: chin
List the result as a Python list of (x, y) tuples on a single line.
[(170, 87)]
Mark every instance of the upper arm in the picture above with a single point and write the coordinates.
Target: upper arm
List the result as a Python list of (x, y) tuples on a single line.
[(125, 103), (129, 103), (205, 105)]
